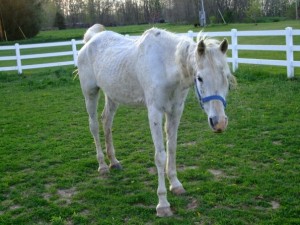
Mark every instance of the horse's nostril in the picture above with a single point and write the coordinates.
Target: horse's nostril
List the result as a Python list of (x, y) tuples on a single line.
[(213, 121)]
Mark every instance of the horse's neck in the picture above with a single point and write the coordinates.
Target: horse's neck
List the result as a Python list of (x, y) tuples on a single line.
[(167, 45)]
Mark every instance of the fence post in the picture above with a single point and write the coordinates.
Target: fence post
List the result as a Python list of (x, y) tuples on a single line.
[(234, 50), (18, 55), (190, 34), (289, 51), (74, 49)]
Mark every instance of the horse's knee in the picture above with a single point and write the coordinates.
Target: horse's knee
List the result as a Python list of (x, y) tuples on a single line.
[(94, 127), (161, 158)]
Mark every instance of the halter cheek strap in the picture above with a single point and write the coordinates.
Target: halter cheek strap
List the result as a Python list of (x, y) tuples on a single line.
[(208, 98)]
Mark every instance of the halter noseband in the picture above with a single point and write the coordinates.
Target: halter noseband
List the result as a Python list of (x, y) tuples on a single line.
[(208, 98)]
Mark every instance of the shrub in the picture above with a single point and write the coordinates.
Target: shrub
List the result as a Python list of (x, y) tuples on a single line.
[(21, 19)]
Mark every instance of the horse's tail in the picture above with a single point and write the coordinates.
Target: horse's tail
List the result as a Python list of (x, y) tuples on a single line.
[(96, 28)]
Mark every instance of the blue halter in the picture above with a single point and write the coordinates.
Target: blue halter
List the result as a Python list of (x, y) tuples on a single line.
[(208, 98)]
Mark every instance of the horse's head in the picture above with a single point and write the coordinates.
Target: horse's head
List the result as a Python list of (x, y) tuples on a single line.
[(212, 81)]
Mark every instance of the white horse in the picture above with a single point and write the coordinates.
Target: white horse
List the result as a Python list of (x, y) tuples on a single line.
[(156, 71)]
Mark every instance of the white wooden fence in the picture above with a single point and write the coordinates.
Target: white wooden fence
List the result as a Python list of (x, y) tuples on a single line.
[(289, 48)]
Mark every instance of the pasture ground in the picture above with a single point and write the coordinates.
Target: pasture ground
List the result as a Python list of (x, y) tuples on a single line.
[(247, 175)]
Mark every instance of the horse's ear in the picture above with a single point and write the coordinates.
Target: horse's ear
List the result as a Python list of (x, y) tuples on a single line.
[(201, 47), (224, 46)]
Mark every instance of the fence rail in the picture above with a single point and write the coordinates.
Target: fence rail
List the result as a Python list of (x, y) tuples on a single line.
[(289, 48)]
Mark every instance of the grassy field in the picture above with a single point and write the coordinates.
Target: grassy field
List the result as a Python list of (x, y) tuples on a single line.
[(247, 175)]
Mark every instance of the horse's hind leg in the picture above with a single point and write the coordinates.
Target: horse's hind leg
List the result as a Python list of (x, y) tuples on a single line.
[(91, 101), (107, 120)]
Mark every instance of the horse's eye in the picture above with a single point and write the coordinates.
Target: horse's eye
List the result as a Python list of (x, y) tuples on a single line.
[(200, 79)]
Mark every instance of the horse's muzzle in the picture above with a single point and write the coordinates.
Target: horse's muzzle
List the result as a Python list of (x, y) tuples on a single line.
[(218, 124)]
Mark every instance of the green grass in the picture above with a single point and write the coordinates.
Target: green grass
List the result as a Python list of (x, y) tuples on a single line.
[(49, 170)]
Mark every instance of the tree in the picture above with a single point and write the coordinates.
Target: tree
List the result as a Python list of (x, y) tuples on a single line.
[(91, 12), (155, 10), (297, 9), (59, 21), (254, 10), (21, 19), (49, 13)]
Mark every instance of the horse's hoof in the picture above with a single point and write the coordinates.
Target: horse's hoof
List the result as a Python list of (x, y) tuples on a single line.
[(117, 166), (178, 190), (103, 171), (164, 212)]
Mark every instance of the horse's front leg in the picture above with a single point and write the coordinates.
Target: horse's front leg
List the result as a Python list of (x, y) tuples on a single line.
[(171, 127), (155, 119)]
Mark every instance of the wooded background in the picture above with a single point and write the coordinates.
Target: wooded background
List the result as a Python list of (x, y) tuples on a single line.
[(21, 19), (124, 12)]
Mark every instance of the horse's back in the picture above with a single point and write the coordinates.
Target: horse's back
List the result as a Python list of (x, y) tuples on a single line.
[(111, 51), (113, 58), (125, 69), (106, 42)]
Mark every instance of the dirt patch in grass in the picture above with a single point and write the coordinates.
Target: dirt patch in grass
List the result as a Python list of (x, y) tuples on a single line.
[(193, 204), (277, 143), (183, 168), (191, 143), (140, 205), (149, 223), (67, 194), (14, 207), (275, 205), (219, 174), (47, 196), (28, 171), (152, 170), (85, 212), (216, 173)]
